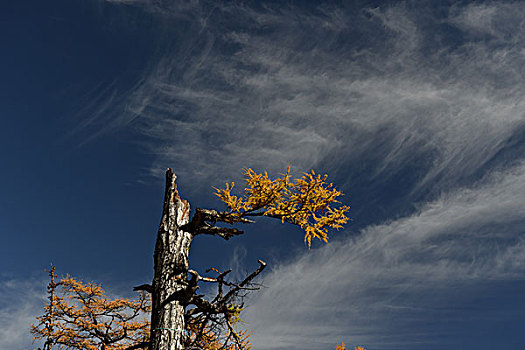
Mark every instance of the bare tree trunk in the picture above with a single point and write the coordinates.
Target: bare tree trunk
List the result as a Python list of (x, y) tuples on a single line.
[(171, 269)]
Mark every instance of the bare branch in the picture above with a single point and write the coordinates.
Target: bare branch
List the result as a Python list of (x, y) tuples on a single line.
[(214, 216), (200, 278), (145, 287), (224, 232), (142, 345), (247, 280)]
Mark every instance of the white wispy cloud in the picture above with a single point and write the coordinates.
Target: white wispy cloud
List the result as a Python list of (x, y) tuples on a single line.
[(22, 301), (502, 22), (376, 288), (373, 89), (302, 93)]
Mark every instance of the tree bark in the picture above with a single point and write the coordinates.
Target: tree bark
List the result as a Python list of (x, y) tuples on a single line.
[(171, 270)]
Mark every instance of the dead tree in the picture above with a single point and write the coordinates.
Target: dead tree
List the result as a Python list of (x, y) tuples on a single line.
[(180, 317), (174, 287)]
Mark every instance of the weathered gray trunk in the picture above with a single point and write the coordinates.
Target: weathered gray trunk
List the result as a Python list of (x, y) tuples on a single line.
[(171, 268)]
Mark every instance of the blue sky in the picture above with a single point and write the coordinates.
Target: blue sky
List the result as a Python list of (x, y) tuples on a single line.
[(415, 109)]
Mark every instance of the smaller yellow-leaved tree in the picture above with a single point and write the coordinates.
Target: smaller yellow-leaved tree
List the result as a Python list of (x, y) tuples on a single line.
[(81, 316)]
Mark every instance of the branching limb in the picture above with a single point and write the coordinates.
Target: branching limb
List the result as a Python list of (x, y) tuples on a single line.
[(204, 220), (309, 202), (216, 318), (246, 281), (224, 232)]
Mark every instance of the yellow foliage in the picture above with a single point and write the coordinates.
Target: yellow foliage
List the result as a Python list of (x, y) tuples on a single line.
[(80, 316), (210, 340), (343, 347), (307, 201), (234, 312)]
